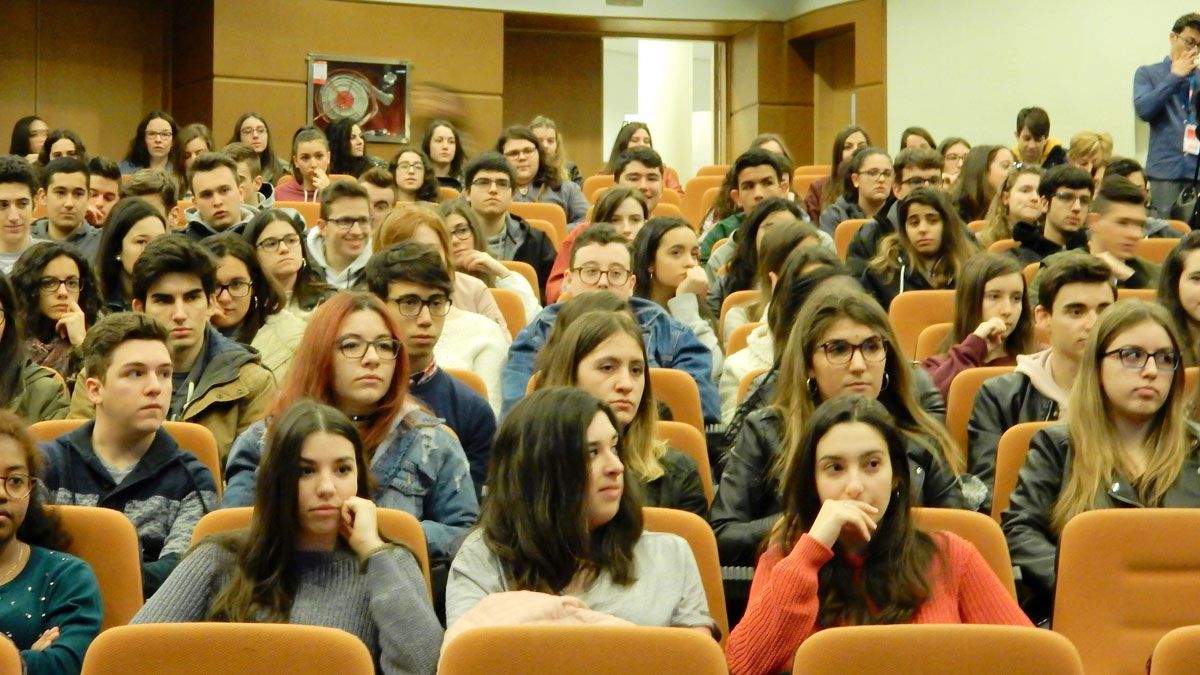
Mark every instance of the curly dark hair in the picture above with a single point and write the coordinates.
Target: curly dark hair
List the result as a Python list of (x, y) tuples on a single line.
[(26, 277)]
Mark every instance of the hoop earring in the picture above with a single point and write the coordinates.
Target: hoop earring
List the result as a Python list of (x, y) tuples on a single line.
[(886, 381)]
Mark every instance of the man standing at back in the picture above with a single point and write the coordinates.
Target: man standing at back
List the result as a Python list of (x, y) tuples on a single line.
[(1164, 96)]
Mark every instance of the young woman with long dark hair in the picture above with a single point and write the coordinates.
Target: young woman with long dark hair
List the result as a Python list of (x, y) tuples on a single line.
[(826, 189), (153, 145), (253, 130), (443, 145), (1179, 292), (283, 255), (27, 389), (28, 136), (982, 174), (414, 173), (538, 180), (348, 148), (130, 227)]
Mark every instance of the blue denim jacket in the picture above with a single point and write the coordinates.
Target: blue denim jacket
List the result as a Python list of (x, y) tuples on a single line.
[(419, 468), (1160, 99), (669, 344)]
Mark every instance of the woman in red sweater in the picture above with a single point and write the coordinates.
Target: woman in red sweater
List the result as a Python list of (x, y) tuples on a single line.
[(992, 320), (847, 552)]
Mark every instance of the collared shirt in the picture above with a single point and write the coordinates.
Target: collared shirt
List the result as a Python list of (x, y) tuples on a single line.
[(421, 377)]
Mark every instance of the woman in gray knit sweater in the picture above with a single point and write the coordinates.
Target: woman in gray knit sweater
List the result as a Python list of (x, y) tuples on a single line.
[(313, 554)]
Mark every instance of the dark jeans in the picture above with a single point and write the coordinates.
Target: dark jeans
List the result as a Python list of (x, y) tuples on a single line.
[(1163, 194)]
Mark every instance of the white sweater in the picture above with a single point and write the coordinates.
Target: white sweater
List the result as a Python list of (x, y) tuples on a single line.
[(473, 342), (759, 353)]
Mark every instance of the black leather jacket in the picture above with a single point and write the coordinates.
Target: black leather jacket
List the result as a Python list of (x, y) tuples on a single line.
[(1002, 402), (1026, 521), (748, 500)]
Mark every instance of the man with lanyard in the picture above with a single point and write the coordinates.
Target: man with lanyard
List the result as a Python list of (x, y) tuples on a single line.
[(1164, 95)]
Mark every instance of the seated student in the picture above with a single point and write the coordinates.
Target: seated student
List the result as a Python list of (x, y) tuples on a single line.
[(414, 177), (780, 281), (1130, 168), (666, 270), (639, 169), (637, 135), (444, 148), (917, 137), (602, 353), (313, 553), (1065, 193), (348, 149), (310, 167), (928, 252), (257, 194), (153, 145), (536, 179), (1016, 201), (417, 463), (340, 243), (841, 343), (847, 505), (1071, 293), (158, 189), (193, 140), (18, 186), (381, 193), (825, 190), (31, 391), (1034, 144), (914, 168), (992, 322), (54, 609), (422, 223), (412, 279), (279, 242), (130, 227), (64, 194), (601, 261), (248, 308), (104, 189), (954, 153), (563, 526), (1179, 292), (213, 179), (490, 180), (123, 459), (62, 143), (983, 172), (1117, 221), (555, 149), (756, 176), (215, 381), (1127, 442), (28, 137), (866, 183), (56, 296), (1090, 150), (470, 256), (252, 129)]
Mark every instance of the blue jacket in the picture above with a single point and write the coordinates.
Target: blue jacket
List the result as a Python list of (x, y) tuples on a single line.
[(1160, 99), (419, 468), (669, 344)]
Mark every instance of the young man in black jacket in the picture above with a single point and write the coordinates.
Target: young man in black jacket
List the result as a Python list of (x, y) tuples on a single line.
[(1066, 196)]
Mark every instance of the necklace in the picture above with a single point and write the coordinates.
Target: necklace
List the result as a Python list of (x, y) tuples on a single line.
[(20, 556)]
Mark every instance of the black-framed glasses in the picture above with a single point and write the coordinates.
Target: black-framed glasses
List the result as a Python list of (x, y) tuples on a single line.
[(876, 174), (1070, 198), (410, 166), (487, 183), (590, 274), (841, 352), (461, 232), (917, 181), (356, 348), (272, 244), (1188, 42), (1135, 358), (520, 152), (18, 485), (411, 305), (52, 284), (165, 135), (347, 223), (238, 288)]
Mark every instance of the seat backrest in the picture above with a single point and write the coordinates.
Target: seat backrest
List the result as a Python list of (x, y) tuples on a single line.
[(694, 194), (1177, 653), (666, 209), (447, 193), (718, 245), (1125, 578), (912, 311), (10, 658), (181, 219), (108, 542), (551, 213), (747, 382), (706, 202), (511, 307), (812, 170), (548, 229), (976, 528), (1191, 376), (678, 391), (1030, 272), (671, 198), (243, 648), (581, 650), (739, 338), (594, 184), (1010, 457), (398, 526), (685, 438), (844, 234), (930, 340), (470, 378), (916, 649), (526, 270), (1147, 294), (733, 300), (801, 184), (310, 210), (976, 226), (1154, 249), (699, 536), (1180, 227), (1002, 245), (960, 400), (713, 170)]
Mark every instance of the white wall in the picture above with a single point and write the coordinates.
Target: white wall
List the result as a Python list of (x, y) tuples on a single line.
[(965, 68)]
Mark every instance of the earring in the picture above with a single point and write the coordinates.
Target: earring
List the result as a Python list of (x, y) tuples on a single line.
[(885, 381), (812, 387), (118, 258)]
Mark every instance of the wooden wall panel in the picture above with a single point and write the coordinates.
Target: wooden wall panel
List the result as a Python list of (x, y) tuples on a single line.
[(18, 66)]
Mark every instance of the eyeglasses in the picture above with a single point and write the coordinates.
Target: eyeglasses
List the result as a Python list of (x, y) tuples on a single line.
[(1070, 198), (590, 274), (356, 348), (1188, 42), (236, 289), (165, 135), (254, 131), (1135, 358), (876, 174), (461, 232), (487, 183), (410, 166), (52, 284), (841, 352), (411, 305), (347, 223), (520, 152), (917, 182), (290, 240), (18, 485), (955, 157)]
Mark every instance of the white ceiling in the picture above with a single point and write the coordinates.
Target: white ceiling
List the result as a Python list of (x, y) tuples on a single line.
[(712, 10)]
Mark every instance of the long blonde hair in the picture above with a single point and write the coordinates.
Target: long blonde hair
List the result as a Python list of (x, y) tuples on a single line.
[(559, 161), (1095, 452), (796, 396), (999, 222)]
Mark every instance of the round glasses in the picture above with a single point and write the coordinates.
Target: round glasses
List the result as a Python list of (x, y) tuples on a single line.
[(841, 352)]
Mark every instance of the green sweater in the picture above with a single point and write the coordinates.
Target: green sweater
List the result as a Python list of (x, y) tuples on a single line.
[(54, 589), (721, 230)]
